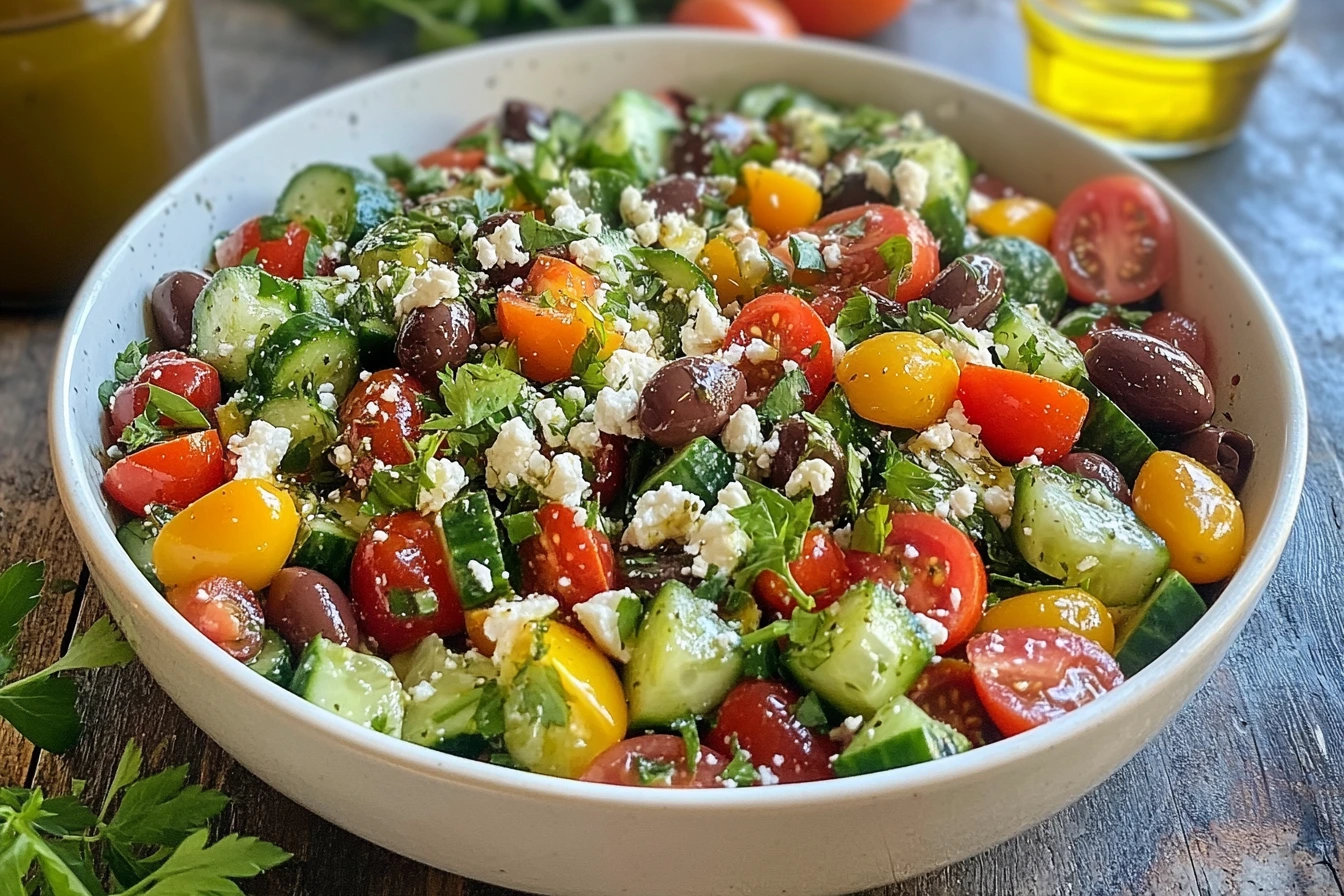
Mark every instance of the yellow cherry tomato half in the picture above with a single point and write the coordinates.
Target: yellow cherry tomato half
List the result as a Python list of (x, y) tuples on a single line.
[(778, 202), (1195, 512), (718, 259), (1020, 216), (899, 379), (244, 530), (1068, 608), (595, 713)]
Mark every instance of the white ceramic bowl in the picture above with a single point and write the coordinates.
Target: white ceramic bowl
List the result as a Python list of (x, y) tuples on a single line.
[(547, 835)]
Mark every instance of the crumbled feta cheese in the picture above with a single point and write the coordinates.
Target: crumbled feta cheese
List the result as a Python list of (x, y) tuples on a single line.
[(638, 341), (766, 456), (962, 501), (342, 457), (751, 260), (766, 776), (524, 153), (584, 438), (705, 327), (837, 345), (502, 246), (912, 180), (591, 254), (717, 539), (843, 535), (552, 420), (999, 502), (975, 346), (615, 412), (481, 573), (421, 691), (665, 514), (735, 225), (758, 351), (515, 457), (468, 230), (568, 217), (832, 256), (260, 451), (876, 177), (742, 433), (643, 318), (447, 479), (1087, 563), (813, 474), (326, 397), (936, 631), (600, 617), (559, 196), (937, 437), (798, 171), (630, 370), (436, 283), (635, 209), (977, 202), (682, 235), (809, 127), (566, 484), (347, 272), (506, 621)]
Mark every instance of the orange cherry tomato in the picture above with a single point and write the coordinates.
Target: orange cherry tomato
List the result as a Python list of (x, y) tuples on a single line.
[(845, 19), (174, 473), (281, 256), (789, 326), (1021, 216), (766, 17), (779, 202), (452, 157), (719, 262), (943, 575), (1021, 414), (379, 416), (567, 560), (547, 334), (820, 571), (859, 233), (400, 585), (566, 281)]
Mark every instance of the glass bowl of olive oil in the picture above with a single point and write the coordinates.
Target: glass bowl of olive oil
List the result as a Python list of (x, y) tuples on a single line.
[(1160, 78)]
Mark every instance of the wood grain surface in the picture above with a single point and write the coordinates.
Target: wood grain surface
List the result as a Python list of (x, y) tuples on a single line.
[(1242, 793)]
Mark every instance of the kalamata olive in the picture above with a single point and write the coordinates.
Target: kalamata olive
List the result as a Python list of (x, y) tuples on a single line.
[(648, 570), (690, 397), (970, 288), (798, 441), (851, 190), (679, 193), (609, 464), (173, 300), (1094, 466), (502, 274), (435, 338), (302, 603), (692, 148), (515, 117), (1227, 452), (1183, 332), (1155, 383)]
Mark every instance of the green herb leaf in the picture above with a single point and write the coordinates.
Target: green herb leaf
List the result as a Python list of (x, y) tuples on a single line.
[(1081, 320), (899, 257), (776, 527), (653, 771), (739, 769), (908, 482), (195, 868), (786, 398), (163, 810), (537, 235), (809, 711), (862, 317), (475, 393), (102, 645), (690, 734), (542, 695), (124, 368), (521, 526), (489, 717), (416, 181), (871, 528), (20, 591), (42, 709), (1030, 354), (412, 603), (806, 255), (272, 227), (628, 612)]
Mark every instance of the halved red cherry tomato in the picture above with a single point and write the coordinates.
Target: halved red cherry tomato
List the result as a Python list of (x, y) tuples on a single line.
[(567, 560), (1114, 240), (176, 372), (224, 610), (788, 325), (765, 17), (453, 157), (655, 760), (760, 714), (943, 573), (173, 473), (946, 691), (819, 570), (1021, 414), (281, 255), (860, 232), (609, 467), (1027, 676), (385, 410), (865, 567), (400, 585)]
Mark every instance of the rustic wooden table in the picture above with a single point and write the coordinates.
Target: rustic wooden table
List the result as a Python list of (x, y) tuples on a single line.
[(1243, 792)]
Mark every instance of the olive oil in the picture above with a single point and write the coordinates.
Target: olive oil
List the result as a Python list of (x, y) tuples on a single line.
[(1163, 78)]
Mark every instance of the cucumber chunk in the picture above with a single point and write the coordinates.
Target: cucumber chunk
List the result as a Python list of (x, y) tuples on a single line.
[(899, 734), (1075, 530), (444, 690), (701, 467), (771, 100), (306, 349), (398, 242), (1159, 622), (1055, 356), (630, 135), (475, 557), (679, 271), (865, 651), (136, 538), (312, 430), (354, 686), (1108, 431), (347, 202), (684, 661), (235, 312), (1031, 276), (273, 661), (944, 209), (326, 545)]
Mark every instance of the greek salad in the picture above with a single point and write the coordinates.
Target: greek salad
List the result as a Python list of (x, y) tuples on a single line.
[(684, 445)]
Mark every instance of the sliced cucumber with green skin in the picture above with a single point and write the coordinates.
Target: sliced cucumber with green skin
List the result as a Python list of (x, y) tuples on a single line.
[(136, 537), (602, 193), (398, 242), (306, 349), (1015, 325), (1030, 274), (684, 661), (630, 135), (273, 661), (443, 690), (346, 201), (354, 686), (679, 271), (771, 100), (1108, 431), (231, 319), (1159, 622), (944, 208), (899, 734), (324, 295), (866, 650), (701, 467), (475, 557), (312, 430), (327, 545), (1076, 530)]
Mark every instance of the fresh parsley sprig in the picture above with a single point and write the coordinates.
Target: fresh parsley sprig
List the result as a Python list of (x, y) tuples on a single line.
[(149, 429), (863, 317), (776, 527), (124, 368)]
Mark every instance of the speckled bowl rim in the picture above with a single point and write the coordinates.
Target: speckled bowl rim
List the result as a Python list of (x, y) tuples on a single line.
[(83, 501)]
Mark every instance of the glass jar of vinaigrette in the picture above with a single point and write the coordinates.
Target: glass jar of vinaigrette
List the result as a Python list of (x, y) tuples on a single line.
[(1160, 78)]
